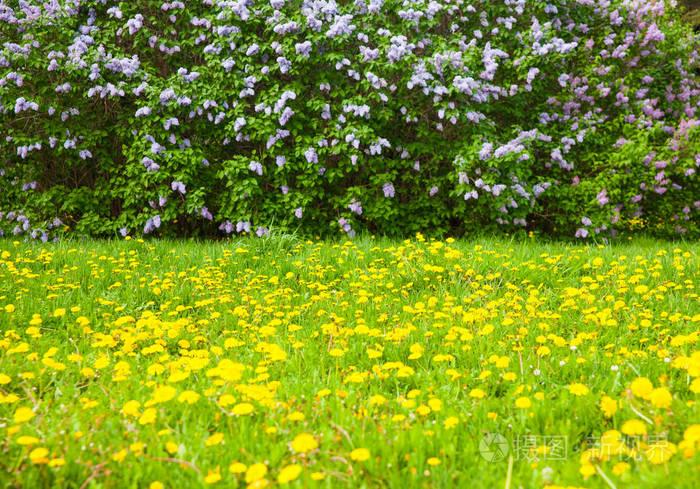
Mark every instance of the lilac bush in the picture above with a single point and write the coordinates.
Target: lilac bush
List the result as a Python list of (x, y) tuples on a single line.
[(572, 117)]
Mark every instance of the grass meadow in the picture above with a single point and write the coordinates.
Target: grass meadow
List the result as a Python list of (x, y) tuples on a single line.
[(372, 363)]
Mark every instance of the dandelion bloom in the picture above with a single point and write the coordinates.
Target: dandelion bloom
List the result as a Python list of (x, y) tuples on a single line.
[(360, 455), (304, 443)]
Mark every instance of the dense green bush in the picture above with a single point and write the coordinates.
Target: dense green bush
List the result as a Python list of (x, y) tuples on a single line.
[(568, 117)]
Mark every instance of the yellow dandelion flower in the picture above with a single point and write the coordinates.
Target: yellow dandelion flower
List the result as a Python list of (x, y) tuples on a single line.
[(620, 468), (289, 473), (213, 476), (188, 397), (23, 414), (523, 403), (214, 439), (120, 455), (255, 473), (243, 409), (237, 468), (148, 416), (304, 443), (660, 452), (360, 455), (578, 389), (131, 408), (634, 427), (641, 387), (660, 398), (435, 404), (377, 400), (296, 416), (57, 462), (226, 400), (27, 440), (587, 470), (39, 456), (609, 406), (164, 394), (451, 422), (477, 394), (101, 362), (423, 410), (692, 433)]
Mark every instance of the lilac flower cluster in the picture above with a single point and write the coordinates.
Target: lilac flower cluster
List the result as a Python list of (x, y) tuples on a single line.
[(479, 112)]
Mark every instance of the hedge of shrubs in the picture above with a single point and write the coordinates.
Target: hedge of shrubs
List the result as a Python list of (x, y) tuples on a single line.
[(214, 117)]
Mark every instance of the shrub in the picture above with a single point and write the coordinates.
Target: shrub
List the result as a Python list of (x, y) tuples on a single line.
[(567, 117)]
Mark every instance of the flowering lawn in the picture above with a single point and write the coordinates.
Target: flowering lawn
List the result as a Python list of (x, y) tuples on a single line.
[(367, 363)]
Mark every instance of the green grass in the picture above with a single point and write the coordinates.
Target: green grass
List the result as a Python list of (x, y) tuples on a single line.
[(373, 344)]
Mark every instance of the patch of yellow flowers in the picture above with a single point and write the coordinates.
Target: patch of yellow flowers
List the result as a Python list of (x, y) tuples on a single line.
[(344, 362)]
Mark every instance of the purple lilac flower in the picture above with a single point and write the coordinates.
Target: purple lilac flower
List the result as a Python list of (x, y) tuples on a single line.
[(150, 165), (345, 226), (152, 224), (311, 155), (21, 104), (228, 64), (486, 151), (262, 231), (178, 187), (285, 116), (284, 64), (167, 95), (389, 190), (355, 207), (239, 123), (602, 197), (135, 24), (256, 167), (173, 121), (226, 227), (303, 48)]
